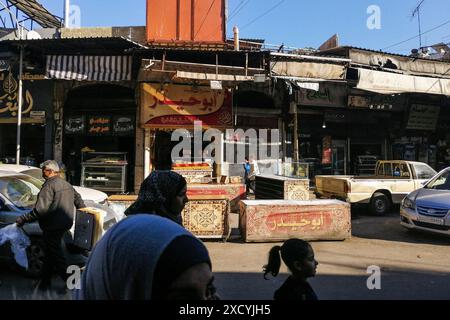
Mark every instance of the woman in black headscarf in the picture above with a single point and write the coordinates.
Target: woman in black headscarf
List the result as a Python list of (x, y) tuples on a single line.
[(147, 257), (162, 193)]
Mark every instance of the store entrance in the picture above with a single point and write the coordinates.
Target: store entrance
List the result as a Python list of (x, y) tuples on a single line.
[(100, 128)]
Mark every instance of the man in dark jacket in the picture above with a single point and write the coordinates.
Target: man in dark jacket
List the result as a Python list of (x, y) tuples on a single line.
[(54, 210)]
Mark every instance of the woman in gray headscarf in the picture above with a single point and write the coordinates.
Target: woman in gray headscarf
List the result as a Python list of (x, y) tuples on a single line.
[(162, 193), (148, 257)]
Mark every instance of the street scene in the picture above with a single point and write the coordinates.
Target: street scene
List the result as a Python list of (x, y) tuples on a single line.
[(172, 151)]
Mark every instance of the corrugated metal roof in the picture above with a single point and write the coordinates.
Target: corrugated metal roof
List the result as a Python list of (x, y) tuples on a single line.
[(37, 12), (342, 48)]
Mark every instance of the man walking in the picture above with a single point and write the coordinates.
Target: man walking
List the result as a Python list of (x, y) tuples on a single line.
[(54, 210)]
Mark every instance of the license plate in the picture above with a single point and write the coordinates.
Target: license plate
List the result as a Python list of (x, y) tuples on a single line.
[(432, 220)]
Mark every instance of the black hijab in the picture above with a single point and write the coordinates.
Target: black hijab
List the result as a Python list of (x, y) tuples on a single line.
[(156, 194)]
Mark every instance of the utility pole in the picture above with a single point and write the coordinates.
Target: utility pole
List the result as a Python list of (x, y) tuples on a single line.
[(20, 30), (417, 11), (66, 13)]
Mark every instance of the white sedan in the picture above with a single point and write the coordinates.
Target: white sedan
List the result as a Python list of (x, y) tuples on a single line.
[(428, 209), (86, 194), (18, 195)]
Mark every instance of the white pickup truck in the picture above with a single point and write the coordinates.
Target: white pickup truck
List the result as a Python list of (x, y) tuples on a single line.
[(392, 181)]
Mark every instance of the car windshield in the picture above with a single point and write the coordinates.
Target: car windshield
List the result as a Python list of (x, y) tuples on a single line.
[(441, 182), (424, 171), (35, 173), (22, 191)]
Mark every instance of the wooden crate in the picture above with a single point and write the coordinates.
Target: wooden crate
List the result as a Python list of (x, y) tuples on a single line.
[(280, 187), (279, 220)]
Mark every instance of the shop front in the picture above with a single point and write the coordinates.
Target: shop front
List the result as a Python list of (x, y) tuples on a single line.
[(344, 131), (184, 127), (99, 137), (36, 128)]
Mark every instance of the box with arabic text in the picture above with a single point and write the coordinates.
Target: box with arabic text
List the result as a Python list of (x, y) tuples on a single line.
[(280, 220)]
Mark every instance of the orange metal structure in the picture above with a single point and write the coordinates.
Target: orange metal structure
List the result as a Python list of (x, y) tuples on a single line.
[(186, 21)]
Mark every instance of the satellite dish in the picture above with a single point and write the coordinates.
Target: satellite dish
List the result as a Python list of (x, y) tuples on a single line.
[(33, 35)]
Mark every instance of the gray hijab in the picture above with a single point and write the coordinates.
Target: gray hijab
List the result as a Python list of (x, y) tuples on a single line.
[(123, 262)]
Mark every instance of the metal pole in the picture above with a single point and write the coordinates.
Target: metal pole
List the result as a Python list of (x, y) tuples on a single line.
[(20, 98), (66, 13)]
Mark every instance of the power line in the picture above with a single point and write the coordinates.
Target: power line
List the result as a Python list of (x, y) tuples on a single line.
[(412, 38), (264, 14), (238, 9), (204, 19)]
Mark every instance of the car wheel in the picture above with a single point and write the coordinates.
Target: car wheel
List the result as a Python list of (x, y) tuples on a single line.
[(36, 257), (380, 204)]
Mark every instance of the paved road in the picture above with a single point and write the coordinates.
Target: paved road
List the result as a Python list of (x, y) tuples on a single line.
[(413, 266)]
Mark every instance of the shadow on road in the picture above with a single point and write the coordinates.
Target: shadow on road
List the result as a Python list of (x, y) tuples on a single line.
[(402, 285)]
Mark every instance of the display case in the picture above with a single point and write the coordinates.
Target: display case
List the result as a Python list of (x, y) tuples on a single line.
[(104, 171)]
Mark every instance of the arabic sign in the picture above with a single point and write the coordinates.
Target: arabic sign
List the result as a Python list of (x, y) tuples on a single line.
[(262, 221), (75, 125), (423, 117), (331, 95), (123, 125), (9, 92), (178, 106), (99, 125)]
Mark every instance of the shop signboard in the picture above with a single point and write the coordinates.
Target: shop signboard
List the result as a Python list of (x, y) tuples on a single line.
[(123, 125), (75, 125), (99, 125), (9, 92), (329, 95), (179, 106), (423, 117)]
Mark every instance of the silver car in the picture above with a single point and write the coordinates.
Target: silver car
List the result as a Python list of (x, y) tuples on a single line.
[(428, 209)]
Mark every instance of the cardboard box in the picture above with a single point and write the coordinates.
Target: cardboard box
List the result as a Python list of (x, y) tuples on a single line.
[(279, 220)]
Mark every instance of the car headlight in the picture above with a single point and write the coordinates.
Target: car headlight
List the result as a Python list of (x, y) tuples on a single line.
[(409, 203)]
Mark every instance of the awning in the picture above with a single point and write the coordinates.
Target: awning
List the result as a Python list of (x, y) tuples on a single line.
[(305, 69), (392, 83), (89, 68)]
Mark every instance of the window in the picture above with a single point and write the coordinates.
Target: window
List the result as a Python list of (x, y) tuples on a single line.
[(21, 191), (424, 171), (441, 183)]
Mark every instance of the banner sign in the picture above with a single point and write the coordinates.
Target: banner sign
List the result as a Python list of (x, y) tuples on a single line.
[(423, 117), (178, 106)]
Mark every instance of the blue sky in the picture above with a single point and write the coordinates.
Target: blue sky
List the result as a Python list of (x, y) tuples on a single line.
[(298, 23)]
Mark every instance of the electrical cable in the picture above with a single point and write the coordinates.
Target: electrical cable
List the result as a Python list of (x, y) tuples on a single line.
[(412, 38), (264, 14)]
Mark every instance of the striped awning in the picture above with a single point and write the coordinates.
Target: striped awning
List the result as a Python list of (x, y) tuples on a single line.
[(89, 68)]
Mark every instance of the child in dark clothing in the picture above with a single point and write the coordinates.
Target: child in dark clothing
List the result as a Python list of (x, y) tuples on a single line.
[(298, 255)]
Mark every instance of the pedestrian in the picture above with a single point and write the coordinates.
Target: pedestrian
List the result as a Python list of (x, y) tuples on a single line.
[(55, 211), (162, 193), (247, 169), (298, 255), (147, 257)]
